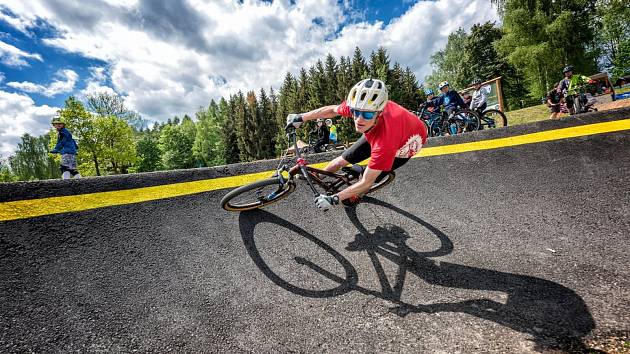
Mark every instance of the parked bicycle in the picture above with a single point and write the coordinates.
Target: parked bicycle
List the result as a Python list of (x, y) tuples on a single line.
[(581, 101), (264, 192)]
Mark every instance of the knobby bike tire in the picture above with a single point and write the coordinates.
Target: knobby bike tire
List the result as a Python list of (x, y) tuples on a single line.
[(501, 116), (255, 204), (472, 122)]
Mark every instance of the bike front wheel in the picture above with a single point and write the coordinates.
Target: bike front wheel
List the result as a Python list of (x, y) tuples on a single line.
[(468, 119), (256, 195), (493, 118)]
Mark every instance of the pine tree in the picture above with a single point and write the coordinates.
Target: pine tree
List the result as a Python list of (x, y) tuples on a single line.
[(379, 66), (359, 67), (228, 131), (267, 127), (344, 79), (330, 78)]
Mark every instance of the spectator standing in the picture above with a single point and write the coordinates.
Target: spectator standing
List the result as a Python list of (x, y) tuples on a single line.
[(333, 131), (554, 99), (323, 136), (67, 147)]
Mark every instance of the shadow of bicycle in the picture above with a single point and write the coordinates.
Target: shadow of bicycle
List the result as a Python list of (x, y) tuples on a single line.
[(549, 312)]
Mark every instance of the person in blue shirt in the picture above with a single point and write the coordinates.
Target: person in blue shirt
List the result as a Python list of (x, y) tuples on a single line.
[(67, 147), (451, 100)]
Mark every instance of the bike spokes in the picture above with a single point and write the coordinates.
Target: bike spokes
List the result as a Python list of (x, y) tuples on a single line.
[(493, 119)]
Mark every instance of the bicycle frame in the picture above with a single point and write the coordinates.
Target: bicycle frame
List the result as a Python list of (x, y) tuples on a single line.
[(311, 174)]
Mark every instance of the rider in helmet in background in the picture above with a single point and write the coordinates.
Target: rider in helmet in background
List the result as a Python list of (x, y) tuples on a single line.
[(451, 100), (571, 85), (431, 95), (391, 136), (479, 100)]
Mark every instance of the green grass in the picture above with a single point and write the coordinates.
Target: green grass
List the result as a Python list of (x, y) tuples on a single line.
[(529, 114)]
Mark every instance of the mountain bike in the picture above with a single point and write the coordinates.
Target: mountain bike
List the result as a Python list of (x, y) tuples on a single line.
[(492, 118), (438, 124), (284, 181), (432, 120)]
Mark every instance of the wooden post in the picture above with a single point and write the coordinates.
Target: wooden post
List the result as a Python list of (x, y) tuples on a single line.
[(500, 93)]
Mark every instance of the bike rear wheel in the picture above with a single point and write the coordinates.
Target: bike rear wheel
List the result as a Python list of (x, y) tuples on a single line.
[(387, 179), (493, 118), (256, 195)]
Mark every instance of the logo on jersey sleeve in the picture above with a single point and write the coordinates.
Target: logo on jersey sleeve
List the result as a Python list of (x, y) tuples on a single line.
[(411, 147)]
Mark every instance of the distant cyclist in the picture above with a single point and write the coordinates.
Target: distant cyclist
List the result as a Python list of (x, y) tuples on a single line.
[(431, 95), (571, 85), (391, 136), (479, 101), (451, 100)]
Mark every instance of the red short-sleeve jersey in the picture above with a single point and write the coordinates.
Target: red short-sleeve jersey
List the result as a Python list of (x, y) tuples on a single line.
[(398, 133)]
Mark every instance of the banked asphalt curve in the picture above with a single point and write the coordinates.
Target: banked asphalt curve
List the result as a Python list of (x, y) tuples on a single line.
[(516, 249)]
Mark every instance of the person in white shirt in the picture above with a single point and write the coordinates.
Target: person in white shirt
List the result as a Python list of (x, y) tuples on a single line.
[(479, 100)]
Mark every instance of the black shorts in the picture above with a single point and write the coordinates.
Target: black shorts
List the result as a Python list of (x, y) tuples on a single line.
[(554, 108), (361, 150)]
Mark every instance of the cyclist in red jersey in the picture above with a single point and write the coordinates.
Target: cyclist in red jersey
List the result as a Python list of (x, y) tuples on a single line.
[(391, 136)]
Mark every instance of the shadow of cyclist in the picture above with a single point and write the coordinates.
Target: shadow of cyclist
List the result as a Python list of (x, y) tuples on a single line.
[(551, 313), (536, 306), (249, 220)]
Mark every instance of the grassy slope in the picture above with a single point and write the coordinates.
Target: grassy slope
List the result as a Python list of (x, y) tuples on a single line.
[(529, 114)]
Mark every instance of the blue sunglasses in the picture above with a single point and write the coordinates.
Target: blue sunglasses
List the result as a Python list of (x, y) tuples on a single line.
[(366, 115)]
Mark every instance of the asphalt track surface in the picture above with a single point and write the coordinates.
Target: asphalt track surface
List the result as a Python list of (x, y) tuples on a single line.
[(519, 249)]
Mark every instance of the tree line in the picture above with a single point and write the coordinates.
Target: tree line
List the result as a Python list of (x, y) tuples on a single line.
[(536, 39), (243, 127)]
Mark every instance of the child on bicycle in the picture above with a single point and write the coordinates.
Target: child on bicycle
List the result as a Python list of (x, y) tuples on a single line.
[(451, 100), (391, 136), (431, 95), (479, 100)]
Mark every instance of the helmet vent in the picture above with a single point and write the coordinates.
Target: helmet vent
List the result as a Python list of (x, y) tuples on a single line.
[(362, 96)]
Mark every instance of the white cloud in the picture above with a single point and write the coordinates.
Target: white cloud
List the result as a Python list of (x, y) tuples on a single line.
[(15, 57), (170, 58), (64, 84), (95, 83), (18, 115)]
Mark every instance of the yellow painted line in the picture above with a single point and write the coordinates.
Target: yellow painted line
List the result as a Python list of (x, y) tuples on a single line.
[(549, 135), (22, 209)]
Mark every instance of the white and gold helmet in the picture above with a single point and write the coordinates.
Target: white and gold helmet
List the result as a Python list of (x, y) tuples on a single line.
[(368, 95)]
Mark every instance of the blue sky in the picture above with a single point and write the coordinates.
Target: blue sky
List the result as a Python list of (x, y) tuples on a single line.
[(170, 58)]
